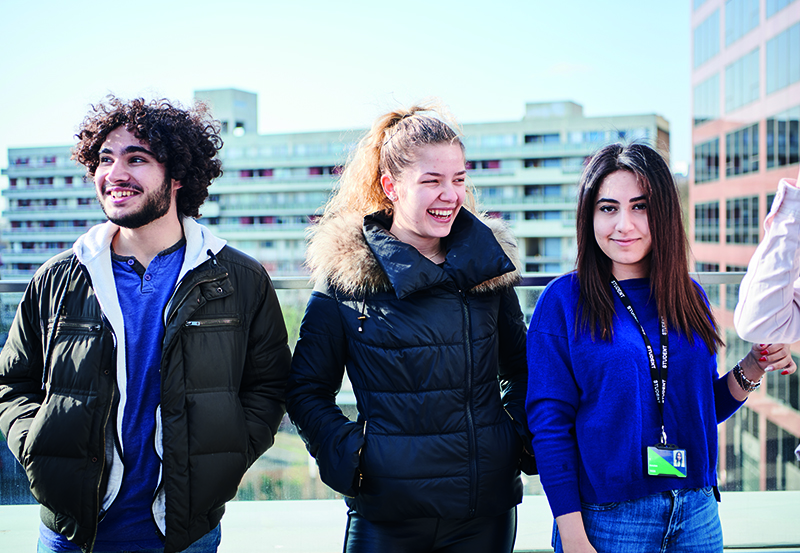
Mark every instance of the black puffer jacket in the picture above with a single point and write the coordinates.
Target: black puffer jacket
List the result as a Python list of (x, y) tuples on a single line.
[(223, 371), (436, 357)]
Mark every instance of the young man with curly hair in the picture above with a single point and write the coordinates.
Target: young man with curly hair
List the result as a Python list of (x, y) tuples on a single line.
[(145, 368)]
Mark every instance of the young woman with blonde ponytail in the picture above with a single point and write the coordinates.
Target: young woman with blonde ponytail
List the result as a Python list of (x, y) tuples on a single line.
[(414, 298)]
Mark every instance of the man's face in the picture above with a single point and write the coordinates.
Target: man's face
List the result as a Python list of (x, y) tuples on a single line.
[(131, 185)]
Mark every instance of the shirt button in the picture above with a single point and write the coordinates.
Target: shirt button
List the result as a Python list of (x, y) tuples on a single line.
[(148, 276), (131, 262)]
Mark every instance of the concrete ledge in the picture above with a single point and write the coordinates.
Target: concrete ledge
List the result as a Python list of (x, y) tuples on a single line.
[(750, 521)]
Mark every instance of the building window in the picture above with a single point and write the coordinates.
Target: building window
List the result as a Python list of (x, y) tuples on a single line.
[(12, 183), (315, 170), (21, 161), (84, 201), (706, 100), (706, 222), (741, 16), (50, 202), (490, 164), (706, 161), (732, 290), (774, 6), (783, 138), (265, 172), (741, 220), (49, 160), (246, 174), (711, 290), (741, 81), (706, 39), (783, 59), (68, 181), (741, 151), (498, 140), (552, 138)]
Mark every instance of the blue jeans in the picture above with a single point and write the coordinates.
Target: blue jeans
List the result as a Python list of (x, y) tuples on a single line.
[(207, 544), (674, 521)]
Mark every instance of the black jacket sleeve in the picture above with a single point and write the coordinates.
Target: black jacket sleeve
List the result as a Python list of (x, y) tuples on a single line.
[(513, 371), (21, 367), (265, 372), (316, 377)]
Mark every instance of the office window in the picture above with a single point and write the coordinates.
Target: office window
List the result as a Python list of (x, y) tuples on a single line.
[(783, 138), (551, 138), (706, 161), (783, 59), (711, 290), (706, 100), (741, 220), (741, 152), (741, 81), (498, 140), (706, 222), (732, 290), (706, 39), (741, 16), (774, 6)]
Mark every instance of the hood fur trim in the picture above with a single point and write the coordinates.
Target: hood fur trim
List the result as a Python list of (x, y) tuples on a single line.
[(339, 254)]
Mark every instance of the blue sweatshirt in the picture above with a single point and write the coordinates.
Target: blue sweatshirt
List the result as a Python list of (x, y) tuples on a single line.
[(592, 408)]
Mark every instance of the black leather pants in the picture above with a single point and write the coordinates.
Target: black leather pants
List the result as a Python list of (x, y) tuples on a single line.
[(420, 535)]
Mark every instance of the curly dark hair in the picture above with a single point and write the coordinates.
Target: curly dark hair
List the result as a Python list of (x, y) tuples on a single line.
[(185, 141)]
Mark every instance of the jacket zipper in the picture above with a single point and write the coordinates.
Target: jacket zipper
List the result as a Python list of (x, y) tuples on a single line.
[(473, 456), (79, 326), (102, 453), (212, 322)]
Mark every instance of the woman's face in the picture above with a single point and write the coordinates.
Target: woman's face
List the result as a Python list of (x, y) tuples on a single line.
[(427, 195), (620, 225)]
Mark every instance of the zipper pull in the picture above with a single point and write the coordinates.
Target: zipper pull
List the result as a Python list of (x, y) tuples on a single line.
[(191, 323), (464, 297)]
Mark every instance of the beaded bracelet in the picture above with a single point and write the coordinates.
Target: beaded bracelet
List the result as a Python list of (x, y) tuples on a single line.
[(746, 384)]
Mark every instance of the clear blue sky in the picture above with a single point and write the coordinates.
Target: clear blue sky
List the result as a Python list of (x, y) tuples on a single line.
[(320, 65)]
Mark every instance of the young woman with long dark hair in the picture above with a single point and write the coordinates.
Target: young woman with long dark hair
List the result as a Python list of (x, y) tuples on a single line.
[(624, 395)]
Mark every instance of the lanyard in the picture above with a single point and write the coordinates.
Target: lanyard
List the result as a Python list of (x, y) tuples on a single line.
[(658, 375)]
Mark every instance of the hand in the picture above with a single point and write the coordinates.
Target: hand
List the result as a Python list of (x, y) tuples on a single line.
[(774, 357)]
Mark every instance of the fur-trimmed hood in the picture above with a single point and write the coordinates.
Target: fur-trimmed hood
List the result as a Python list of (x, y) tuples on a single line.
[(359, 256)]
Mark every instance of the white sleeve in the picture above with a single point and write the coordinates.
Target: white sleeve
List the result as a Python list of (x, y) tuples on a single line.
[(768, 311)]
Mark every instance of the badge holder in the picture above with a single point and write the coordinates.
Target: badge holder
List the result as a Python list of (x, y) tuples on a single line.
[(666, 459)]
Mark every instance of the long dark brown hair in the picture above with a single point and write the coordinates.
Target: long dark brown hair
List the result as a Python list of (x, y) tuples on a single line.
[(678, 299)]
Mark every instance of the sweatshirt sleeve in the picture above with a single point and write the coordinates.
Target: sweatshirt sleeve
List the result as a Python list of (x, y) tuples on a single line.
[(769, 296), (552, 404)]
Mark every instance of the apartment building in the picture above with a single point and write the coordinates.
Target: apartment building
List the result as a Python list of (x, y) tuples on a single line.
[(746, 119), (526, 171)]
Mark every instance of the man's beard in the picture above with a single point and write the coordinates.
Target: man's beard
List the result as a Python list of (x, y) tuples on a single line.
[(156, 205)]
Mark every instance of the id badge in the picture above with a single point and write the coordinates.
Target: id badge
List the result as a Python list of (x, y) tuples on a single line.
[(666, 460)]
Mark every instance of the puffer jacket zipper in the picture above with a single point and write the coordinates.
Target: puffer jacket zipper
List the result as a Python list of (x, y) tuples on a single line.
[(102, 453), (471, 437)]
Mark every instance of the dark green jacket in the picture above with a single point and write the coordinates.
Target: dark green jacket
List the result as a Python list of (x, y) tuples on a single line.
[(224, 366)]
